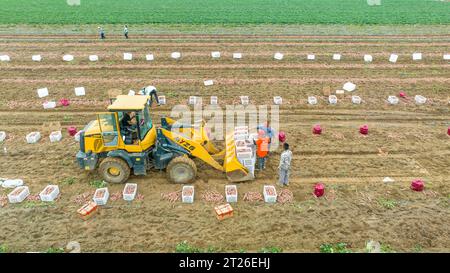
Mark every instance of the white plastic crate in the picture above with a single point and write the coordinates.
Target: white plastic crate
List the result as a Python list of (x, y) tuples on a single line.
[(356, 100), (149, 57), (241, 131), (187, 194), (49, 104), (80, 91), (42, 92), (417, 56), (241, 128), (215, 54), (50, 193), (240, 137), (36, 58), (175, 55), (249, 162), (33, 137), (368, 58), (237, 55), (93, 58), (393, 100), (127, 56), (244, 100), (101, 196), (243, 149), (12, 183), (393, 58), (55, 136), (231, 193), (278, 56), (129, 191), (213, 100), (243, 143), (446, 57), (208, 82), (2, 136), (311, 57), (131, 93), (270, 194), (349, 86), (68, 58), (332, 99), (312, 100), (5, 58), (420, 99), (18, 194), (244, 155), (162, 100), (336, 57), (277, 100)]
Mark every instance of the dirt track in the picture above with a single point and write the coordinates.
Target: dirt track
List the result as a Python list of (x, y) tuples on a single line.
[(405, 142)]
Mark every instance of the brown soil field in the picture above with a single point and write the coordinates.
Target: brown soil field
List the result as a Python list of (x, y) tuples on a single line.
[(405, 142)]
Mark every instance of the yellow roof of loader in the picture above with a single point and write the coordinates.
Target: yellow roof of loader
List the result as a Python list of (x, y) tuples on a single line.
[(125, 102)]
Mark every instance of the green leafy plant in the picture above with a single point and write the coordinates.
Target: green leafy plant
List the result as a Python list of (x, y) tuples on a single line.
[(69, 181), (98, 183), (54, 250), (185, 247), (387, 203), (385, 248), (336, 248), (418, 248), (3, 248), (271, 249)]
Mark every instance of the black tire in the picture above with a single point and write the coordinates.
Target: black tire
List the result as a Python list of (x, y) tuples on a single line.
[(110, 176), (181, 170)]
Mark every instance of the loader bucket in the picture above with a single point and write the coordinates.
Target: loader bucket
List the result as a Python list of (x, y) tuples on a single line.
[(234, 170)]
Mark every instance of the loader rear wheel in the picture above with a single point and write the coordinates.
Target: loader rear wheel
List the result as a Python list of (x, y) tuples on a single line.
[(181, 170), (114, 170)]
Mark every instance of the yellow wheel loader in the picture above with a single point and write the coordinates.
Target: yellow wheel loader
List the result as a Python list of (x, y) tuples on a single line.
[(117, 147)]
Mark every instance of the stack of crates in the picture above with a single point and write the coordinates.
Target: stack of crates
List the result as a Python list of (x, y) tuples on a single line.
[(245, 150)]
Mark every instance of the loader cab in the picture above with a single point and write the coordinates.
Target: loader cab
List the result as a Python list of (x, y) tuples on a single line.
[(128, 124)]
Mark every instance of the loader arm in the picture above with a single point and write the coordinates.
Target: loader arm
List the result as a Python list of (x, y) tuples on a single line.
[(196, 132), (194, 148)]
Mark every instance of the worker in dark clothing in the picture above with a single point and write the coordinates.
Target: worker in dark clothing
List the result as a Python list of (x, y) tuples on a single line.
[(102, 33), (128, 121), (128, 127), (125, 31)]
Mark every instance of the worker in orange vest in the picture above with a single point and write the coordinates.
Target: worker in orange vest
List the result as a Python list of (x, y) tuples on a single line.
[(262, 148)]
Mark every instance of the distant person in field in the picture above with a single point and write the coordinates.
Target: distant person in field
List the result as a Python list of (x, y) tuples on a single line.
[(150, 91), (102, 33), (125, 31), (285, 165), (262, 149)]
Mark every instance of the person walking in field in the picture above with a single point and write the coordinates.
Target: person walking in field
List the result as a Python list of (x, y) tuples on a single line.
[(102, 33), (262, 149), (285, 165), (125, 31)]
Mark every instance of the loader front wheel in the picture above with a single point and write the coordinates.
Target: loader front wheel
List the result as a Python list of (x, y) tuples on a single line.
[(114, 170), (181, 170)]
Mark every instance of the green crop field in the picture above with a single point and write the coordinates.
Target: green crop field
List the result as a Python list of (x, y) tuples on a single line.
[(224, 12)]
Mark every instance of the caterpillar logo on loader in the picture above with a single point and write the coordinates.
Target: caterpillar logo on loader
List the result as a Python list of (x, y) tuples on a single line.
[(124, 140)]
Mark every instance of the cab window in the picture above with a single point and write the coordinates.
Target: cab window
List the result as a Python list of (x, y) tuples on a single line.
[(145, 122)]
